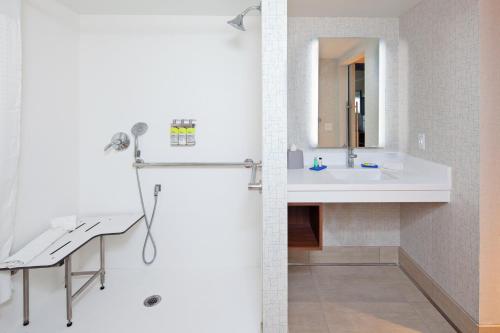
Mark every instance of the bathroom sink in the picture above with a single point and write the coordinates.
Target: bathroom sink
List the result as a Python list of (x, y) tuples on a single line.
[(356, 174)]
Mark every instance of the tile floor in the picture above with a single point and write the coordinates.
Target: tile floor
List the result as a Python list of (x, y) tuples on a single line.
[(359, 299), (195, 300)]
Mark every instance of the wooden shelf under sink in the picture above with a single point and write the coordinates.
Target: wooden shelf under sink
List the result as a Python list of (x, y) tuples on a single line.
[(305, 226)]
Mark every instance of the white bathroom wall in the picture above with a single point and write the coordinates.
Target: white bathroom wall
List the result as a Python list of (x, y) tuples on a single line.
[(358, 224), (440, 95), (88, 77), (371, 224), (156, 69), (48, 174)]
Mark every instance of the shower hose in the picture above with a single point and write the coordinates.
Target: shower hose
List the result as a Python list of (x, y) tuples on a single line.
[(149, 221)]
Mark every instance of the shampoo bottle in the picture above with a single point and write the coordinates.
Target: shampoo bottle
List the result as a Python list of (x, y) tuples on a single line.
[(190, 133), (174, 134), (182, 134)]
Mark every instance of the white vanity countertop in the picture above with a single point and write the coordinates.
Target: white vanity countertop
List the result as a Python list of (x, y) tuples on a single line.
[(418, 181)]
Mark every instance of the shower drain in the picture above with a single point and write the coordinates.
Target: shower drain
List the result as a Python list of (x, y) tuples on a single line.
[(152, 301)]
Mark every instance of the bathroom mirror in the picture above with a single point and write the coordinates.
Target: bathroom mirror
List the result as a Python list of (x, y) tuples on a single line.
[(348, 93)]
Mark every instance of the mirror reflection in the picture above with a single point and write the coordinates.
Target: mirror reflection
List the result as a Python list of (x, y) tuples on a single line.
[(348, 87)]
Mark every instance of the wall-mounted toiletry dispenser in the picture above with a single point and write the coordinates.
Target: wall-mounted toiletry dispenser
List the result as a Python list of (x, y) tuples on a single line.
[(183, 132)]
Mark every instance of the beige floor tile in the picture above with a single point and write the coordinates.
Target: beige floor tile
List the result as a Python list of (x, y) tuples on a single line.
[(375, 321), (440, 327), (360, 300), (361, 291), (396, 325), (300, 276), (298, 295), (306, 317), (410, 292), (370, 309), (298, 329), (366, 317), (432, 318), (332, 276), (428, 311), (339, 316), (301, 285)]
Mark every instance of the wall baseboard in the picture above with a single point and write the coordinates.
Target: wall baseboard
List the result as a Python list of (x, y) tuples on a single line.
[(345, 255), (440, 298)]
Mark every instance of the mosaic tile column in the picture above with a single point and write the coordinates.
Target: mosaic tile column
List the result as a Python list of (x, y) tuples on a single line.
[(274, 172)]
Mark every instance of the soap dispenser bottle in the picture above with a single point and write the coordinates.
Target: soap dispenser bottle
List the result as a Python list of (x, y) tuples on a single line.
[(174, 134), (182, 133), (190, 133)]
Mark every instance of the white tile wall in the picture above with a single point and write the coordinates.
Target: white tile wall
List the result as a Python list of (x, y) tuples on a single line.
[(361, 224), (349, 225), (440, 97), (274, 108)]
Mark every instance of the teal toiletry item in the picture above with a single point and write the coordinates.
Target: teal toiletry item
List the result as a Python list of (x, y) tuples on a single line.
[(318, 165)]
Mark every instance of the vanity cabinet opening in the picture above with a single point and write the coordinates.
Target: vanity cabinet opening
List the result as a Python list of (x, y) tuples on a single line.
[(305, 226)]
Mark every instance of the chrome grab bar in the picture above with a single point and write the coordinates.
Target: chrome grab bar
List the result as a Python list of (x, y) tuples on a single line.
[(248, 163), (254, 184)]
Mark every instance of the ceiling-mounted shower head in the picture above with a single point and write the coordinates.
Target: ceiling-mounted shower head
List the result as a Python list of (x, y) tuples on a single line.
[(139, 129), (237, 22)]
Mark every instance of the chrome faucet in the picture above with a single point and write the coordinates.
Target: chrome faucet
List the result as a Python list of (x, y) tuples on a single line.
[(350, 157)]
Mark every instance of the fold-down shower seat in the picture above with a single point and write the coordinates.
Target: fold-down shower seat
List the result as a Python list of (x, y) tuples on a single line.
[(60, 252)]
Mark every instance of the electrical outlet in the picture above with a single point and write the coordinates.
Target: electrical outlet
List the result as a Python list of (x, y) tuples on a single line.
[(328, 127), (421, 141)]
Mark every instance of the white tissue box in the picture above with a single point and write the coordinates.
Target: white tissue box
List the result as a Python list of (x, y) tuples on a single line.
[(295, 159)]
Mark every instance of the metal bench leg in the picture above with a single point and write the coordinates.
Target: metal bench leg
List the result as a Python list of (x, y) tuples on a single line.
[(26, 296), (103, 273), (67, 278)]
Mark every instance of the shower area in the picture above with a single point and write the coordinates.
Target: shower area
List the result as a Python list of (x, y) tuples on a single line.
[(95, 68)]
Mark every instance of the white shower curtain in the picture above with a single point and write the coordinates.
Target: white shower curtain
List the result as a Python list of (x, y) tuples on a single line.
[(10, 112)]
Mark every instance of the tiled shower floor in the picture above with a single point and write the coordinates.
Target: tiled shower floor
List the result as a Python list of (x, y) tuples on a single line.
[(359, 299), (194, 301)]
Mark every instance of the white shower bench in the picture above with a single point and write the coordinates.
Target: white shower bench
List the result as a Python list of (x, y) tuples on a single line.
[(60, 252)]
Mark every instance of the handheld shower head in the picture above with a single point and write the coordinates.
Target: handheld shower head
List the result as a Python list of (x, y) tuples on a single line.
[(139, 129), (237, 22)]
